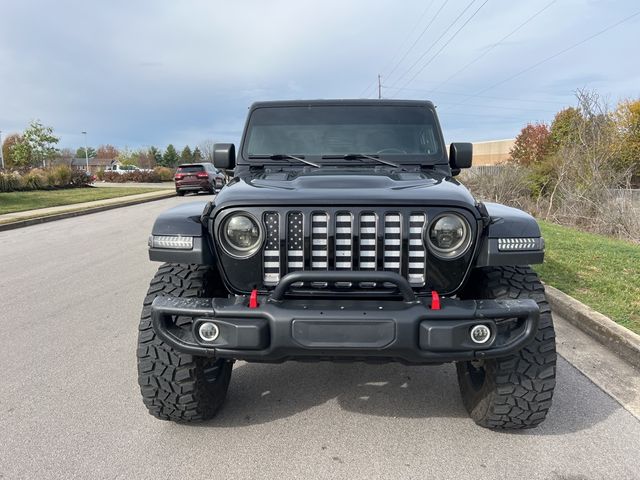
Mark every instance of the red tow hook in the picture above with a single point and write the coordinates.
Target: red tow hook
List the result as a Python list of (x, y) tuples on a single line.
[(253, 299), (435, 300)]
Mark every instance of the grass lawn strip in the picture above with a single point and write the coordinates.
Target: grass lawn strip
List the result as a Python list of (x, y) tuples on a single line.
[(599, 271), (12, 202)]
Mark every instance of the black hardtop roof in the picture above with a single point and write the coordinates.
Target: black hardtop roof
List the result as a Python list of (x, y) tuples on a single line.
[(340, 102)]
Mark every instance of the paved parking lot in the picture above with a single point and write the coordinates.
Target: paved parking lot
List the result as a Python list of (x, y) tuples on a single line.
[(69, 403)]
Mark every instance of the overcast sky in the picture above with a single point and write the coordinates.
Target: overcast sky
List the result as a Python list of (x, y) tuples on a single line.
[(139, 73)]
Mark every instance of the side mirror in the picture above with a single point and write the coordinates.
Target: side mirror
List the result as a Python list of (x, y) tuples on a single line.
[(224, 156), (460, 156)]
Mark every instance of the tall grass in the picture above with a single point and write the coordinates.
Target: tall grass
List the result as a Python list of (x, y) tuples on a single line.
[(61, 176)]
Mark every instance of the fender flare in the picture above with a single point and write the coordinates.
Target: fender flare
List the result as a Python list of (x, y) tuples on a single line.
[(513, 225), (185, 221)]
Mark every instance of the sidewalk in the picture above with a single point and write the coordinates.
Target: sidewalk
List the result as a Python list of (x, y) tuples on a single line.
[(30, 217), (167, 185)]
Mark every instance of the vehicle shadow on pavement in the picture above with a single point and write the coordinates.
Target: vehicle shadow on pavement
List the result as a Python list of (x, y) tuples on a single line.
[(261, 394), (264, 393)]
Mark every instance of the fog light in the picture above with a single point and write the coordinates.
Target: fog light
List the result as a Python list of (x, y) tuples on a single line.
[(208, 331), (480, 334)]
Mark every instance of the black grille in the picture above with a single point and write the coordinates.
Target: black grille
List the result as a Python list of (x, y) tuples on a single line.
[(355, 239)]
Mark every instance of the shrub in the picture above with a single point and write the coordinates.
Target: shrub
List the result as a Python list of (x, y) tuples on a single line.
[(138, 176), (62, 175), (35, 179), (113, 177), (4, 182), (151, 177), (165, 174), (39, 179), (50, 177), (508, 184), (15, 180), (10, 181), (79, 178)]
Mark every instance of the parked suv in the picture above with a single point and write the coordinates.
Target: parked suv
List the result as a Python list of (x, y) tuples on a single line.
[(344, 235), (198, 177)]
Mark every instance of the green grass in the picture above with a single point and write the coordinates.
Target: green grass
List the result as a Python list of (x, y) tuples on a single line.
[(599, 271), (21, 201)]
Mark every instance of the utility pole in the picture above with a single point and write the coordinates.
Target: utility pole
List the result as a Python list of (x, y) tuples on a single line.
[(86, 152), (379, 87), (1, 153)]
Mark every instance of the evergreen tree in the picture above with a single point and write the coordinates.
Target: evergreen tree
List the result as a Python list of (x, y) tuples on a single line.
[(197, 155), (80, 152), (170, 157), (186, 156), (156, 154)]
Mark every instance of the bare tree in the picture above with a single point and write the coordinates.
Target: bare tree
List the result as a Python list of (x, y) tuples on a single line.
[(206, 147), (581, 183)]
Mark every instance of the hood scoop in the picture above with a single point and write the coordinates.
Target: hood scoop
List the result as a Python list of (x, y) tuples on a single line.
[(399, 180), (344, 181)]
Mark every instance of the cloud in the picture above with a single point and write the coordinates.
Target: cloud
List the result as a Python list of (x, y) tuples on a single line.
[(159, 72)]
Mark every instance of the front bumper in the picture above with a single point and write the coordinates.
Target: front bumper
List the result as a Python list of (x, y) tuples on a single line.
[(407, 330)]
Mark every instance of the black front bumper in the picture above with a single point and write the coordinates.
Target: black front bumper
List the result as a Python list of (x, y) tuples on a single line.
[(407, 330)]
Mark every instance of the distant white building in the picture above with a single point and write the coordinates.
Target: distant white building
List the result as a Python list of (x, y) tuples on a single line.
[(492, 152)]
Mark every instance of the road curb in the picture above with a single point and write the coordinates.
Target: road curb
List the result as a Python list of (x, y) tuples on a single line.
[(86, 211), (621, 341)]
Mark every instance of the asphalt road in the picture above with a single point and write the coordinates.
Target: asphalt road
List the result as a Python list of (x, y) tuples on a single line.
[(70, 295)]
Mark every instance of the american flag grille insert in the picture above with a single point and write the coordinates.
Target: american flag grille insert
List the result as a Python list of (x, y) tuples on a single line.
[(392, 242), (359, 239), (368, 255), (417, 252), (319, 241), (295, 242), (344, 232), (272, 248)]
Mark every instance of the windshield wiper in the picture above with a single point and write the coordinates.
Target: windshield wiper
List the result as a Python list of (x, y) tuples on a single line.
[(358, 156), (283, 156)]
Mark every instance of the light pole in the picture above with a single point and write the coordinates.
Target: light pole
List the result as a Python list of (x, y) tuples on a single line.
[(86, 152), (1, 152)]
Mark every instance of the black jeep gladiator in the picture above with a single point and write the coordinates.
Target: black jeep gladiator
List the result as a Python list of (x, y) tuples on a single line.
[(344, 235)]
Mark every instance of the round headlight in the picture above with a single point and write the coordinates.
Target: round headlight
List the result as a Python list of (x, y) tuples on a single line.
[(449, 235), (241, 235)]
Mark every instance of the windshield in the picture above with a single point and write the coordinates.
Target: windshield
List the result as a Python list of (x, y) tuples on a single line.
[(335, 130)]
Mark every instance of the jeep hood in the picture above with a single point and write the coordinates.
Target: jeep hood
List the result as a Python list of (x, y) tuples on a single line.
[(345, 187)]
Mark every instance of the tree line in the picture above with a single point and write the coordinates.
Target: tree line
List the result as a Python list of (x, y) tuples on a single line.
[(37, 146), (580, 170), (590, 135)]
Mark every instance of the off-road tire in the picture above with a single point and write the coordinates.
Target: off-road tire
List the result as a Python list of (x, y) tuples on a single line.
[(177, 386), (512, 392)]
